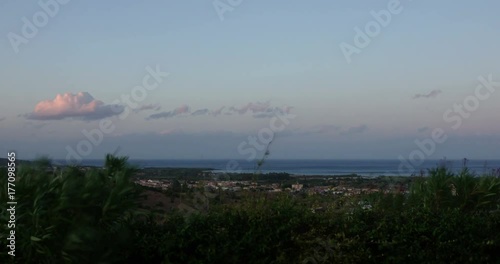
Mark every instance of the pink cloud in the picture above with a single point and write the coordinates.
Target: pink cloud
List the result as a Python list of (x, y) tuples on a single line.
[(80, 106)]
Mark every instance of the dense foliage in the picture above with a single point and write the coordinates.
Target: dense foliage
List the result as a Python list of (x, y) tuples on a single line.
[(70, 215), (92, 217)]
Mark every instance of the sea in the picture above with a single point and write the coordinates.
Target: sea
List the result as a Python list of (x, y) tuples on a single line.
[(312, 167)]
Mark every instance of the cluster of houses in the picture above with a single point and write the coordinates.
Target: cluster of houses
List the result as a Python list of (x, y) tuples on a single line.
[(236, 186), (158, 184)]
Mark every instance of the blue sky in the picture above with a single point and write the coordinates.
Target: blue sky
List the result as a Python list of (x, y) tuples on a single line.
[(262, 58)]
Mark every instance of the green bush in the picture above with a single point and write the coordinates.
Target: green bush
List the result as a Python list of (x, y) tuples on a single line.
[(71, 215), (78, 216)]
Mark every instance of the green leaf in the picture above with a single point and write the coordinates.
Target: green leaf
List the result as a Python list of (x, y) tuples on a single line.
[(36, 239)]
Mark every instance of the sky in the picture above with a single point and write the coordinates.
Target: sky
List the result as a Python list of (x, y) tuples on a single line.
[(220, 79)]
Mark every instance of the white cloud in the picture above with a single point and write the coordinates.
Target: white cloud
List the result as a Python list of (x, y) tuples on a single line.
[(78, 106)]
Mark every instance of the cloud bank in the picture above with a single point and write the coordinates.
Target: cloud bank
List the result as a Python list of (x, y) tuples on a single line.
[(257, 110), (184, 109), (200, 112), (147, 107), (432, 94), (81, 106)]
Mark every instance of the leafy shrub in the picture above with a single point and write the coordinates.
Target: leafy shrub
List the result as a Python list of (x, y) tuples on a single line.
[(71, 215), (79, 216)]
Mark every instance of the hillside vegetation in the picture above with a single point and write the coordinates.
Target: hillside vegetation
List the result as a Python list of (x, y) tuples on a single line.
[(95, 216)]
